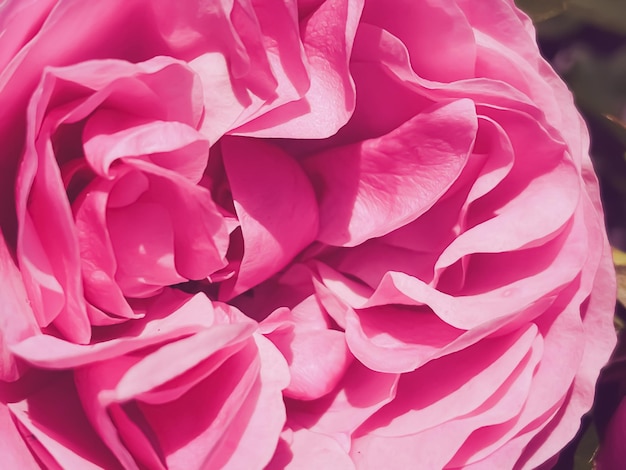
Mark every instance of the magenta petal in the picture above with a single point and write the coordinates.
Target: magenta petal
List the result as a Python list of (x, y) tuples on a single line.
[(200, 231), (98, 261), (275, 205), (372, 188), (457, 413), (111, 135), (17, 23), (47, 248), (16, 316), (60, 435), (396, 339), (141, 235)]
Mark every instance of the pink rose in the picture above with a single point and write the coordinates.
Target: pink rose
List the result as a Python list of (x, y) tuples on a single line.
[(315, 234)]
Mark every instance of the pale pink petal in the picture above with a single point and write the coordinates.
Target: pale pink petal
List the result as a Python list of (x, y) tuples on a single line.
[(305, 450), (338, 293), (307, 315), (271, 33), (222, 106), (190, 28), (317, 356), (359, 395), (469, 311), (260, 434), (172, 315), (104, 384), (529, 190), (13, 448), (200, 232), (502, 404), (174, 359), (508, 29), (149, 89), (196, 438), (89, 24), (327, 36), (598, 336), (458, 384), (416, 27)]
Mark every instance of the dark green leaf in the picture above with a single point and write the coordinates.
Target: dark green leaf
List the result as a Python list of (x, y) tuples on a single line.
[(605, 14), (586, 450), (541, 10)]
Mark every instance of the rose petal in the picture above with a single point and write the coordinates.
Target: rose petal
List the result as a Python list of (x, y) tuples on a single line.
[(369, 189), (275, 205), (453, 386), (50, 264), (504, 400), (317, 356), (98, 262), (61, 433), (15, 452), (16, 316), (327, 35), (260, 434), (395, 339), (418, 24), (306, 450), (110, 135), (359, 395), (172, 315), (222, 106)]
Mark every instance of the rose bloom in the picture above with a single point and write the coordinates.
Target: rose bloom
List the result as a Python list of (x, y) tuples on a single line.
[(346, 234)]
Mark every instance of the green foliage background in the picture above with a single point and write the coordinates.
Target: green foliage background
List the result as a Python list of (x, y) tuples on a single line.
[(585, 41)]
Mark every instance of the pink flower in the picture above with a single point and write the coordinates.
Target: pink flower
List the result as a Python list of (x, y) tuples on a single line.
[(314, 234)]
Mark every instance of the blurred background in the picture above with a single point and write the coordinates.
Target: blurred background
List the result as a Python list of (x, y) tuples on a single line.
[(585, 41)]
